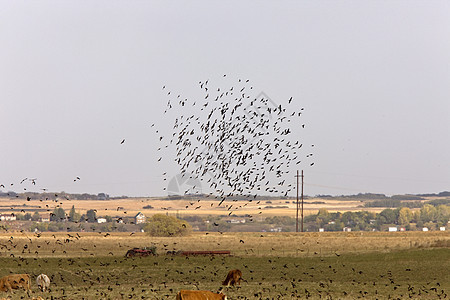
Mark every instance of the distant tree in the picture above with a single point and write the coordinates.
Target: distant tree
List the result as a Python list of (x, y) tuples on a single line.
[(310, 218), (280, 220), (358, 220), (55, 227), (437, 202), (442, 214), (427, 213), (430, 225), (337, 226), (405, 216), (91, 216), (35, 216), (192, 218), (162, 225), (349, 218), (108, 219), (58, 215), (387, 216), (323, 217), (102, 196), (73, 215), (27, 216), (419, 224), (416, 216), (39, 226)]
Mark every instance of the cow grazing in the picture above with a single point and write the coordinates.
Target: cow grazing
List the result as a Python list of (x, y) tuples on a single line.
[(234, 277), (12, 282), (43, 282), (199, 295)]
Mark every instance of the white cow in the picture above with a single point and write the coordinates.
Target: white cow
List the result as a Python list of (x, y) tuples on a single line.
[(43, 282)]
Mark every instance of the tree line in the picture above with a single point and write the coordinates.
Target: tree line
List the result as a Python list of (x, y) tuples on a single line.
[(393, 202), (60, 215), (428, 216)]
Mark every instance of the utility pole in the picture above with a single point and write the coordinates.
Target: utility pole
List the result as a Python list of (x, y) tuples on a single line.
[(296, 222), (302, 201)]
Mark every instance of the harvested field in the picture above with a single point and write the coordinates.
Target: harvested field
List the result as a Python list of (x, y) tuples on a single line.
[(131, 206)]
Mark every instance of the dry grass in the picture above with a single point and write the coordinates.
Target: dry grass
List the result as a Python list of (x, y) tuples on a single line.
[(331, 265), (240, 244)]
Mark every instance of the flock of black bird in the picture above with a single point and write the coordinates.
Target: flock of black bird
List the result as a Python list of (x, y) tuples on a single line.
[(237, 142), (240, 144)]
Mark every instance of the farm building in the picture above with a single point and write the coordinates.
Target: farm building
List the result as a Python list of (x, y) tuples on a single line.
[(347, 229), (425, 229), (234, 221), (276, 229), (101, 220), (44, 218), (140, 218), (392, 229), (442, 228), (10, 217)]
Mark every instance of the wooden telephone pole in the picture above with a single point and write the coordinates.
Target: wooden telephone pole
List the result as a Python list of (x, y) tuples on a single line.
[(296, 219), (302, 200), (296, 223)]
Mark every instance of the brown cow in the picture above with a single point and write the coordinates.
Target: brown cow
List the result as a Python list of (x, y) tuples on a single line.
[(199, 295), (234, 277), (15, 281)]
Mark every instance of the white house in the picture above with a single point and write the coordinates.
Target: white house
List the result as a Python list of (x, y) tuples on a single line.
[(140, 218), (10, 217), (101, 220), (321, 229), (44, 217), (442, 228), (276, 229), (347, 229), (234, 221), (392, 229), (425, 229)]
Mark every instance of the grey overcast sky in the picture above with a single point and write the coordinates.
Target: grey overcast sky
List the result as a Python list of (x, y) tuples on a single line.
[(78, 77)]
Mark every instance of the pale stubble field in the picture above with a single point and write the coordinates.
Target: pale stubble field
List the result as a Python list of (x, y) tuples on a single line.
[(131, 206)]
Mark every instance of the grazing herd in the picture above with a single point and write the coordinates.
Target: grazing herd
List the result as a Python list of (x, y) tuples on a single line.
[(12, 282)]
